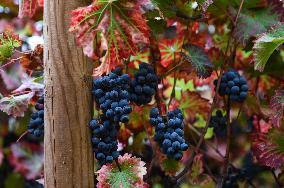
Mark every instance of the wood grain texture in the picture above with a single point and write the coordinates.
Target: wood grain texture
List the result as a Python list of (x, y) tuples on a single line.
[(68, 153)]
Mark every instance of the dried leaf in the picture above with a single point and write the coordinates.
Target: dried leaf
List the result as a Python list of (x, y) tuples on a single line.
[(30, 84), (130, 176)]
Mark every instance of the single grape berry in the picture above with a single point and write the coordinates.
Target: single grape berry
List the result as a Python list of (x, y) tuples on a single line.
[(144, 85), (233, 85), (104, 140), (218, 122), (36, 125), (169, 134), (112, 96)]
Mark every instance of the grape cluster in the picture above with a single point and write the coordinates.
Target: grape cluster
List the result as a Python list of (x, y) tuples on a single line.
[(104, 140), (234, 175), (169, 134), (111, 94), (144, 85), (36, 125), (218, 122), (233, 85)]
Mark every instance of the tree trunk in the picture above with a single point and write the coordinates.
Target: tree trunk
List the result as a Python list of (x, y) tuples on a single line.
[(68, 160)]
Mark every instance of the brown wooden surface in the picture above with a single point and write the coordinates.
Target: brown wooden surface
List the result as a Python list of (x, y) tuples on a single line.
[(68, 156)]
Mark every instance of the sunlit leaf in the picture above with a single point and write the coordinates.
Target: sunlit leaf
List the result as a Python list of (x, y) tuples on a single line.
[(265, 45), (119, 26)]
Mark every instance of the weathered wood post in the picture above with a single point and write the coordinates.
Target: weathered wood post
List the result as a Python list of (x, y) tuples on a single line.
[(68, 154)]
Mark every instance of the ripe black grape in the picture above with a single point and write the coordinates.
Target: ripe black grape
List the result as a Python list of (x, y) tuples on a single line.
[(218, 122), (233, 85), (169, 134), (144, 85), (111, 94), (104, 140), (36, 125), (32, 184)]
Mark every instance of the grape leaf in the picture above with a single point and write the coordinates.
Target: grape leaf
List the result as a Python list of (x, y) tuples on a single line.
[(8, 41), (277, 104), (118, 25), (251, 23), (27, 8), (265, 45), (192, 103), (269, 148), (16, 105), (170, 49), (130, 176), (27, 159), (30, 84), (199, 60)]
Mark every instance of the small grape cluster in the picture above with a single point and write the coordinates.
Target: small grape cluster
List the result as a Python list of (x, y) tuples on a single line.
[(32, 184), (104, 140), (218, 122), (144, 85), (111, 94), (36, 125), (233, 85), (169, 134), (234, 175)]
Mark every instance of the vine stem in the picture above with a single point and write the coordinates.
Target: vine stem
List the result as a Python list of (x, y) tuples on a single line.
[(201, 140), (118, 165), (276, 179), (229, 137)]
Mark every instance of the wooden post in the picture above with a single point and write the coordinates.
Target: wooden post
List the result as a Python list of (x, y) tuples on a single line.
[(68, 160)]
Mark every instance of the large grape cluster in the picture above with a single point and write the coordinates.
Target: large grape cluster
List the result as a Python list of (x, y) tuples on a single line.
[(233, 85), (104, 140), (111, 94), (144, 85), (218, 122), (169, 133), (36, 125)]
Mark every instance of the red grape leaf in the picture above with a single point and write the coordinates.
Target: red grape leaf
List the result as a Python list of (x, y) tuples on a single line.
[(27, 159), (269, 148), (27, 8), (16, 105), (131, 174), (277, 104), (119, 26), (192, 103), (170, 49)]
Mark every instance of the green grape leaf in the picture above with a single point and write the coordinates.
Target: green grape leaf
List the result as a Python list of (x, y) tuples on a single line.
[(251, 23), (265, 45), (198, 59)]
